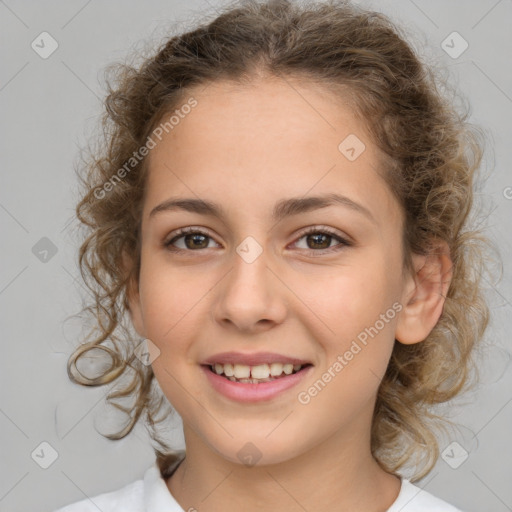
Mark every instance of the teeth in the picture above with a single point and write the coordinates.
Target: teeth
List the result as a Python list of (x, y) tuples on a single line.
[(276, 369), (242, 371), (259, 373), (288, 368)]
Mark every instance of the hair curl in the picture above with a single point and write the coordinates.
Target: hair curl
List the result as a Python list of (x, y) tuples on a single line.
[(433, 155)]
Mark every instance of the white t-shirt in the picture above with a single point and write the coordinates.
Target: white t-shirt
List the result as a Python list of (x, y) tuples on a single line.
[(150, 494)]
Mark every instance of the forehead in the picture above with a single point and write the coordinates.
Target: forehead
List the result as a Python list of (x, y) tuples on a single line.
[(269, 114), (281, 136)]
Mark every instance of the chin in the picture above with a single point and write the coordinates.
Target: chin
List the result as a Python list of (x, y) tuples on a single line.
[(256, 450)]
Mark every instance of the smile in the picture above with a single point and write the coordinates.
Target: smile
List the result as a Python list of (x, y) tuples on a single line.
[(262, 382), (255, 374)]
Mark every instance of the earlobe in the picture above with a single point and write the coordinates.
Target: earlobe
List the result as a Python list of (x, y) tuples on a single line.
[(424, 295)]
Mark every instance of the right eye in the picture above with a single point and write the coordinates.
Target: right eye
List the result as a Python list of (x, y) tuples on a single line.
[(193, 239)]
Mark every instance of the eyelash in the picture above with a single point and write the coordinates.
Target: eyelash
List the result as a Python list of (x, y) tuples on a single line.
[(314, 230)]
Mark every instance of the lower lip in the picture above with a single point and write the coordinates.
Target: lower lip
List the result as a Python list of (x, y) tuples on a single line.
[(247, 392)]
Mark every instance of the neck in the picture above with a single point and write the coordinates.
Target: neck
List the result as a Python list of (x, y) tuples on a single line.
[(342, 466)]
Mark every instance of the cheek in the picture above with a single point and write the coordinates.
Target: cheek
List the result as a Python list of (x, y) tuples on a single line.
[(168, 300), (358, 310), (171, 303), (352, 297)]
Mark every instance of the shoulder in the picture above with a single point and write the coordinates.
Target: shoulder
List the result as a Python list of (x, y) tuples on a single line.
[(414, 499), (129, 498), (148, 493)]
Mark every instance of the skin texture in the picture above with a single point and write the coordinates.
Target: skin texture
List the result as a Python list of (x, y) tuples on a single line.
[(245, 148)]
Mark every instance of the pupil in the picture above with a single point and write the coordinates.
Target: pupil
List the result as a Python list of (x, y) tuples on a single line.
[(194, 237), (319, 236)]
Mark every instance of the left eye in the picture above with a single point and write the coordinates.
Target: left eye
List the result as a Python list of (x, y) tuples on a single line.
[(196, 239), (321, 240)]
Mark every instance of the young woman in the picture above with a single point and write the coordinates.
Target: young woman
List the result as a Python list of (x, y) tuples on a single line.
[(280, 209)]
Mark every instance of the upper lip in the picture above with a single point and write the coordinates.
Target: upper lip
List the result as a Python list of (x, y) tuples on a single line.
[(252, 359)]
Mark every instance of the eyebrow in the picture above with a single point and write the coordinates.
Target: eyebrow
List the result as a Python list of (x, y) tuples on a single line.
[(282, 209)]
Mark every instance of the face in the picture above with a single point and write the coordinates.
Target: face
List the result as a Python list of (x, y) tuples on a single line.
[(274, 276)]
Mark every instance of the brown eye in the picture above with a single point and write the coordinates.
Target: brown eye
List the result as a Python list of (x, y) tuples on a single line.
[(316, 240), (319, 240), (193, 239)]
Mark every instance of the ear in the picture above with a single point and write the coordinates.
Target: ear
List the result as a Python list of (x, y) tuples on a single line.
[(424, 294), (133, 297)]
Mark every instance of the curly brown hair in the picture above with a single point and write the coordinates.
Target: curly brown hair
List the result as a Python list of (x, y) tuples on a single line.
[(433, 155)]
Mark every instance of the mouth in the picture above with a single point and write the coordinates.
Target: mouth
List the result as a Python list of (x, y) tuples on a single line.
[(254, 378), (257, 374)]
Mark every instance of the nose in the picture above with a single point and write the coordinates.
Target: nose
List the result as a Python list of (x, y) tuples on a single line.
[(251, 298)]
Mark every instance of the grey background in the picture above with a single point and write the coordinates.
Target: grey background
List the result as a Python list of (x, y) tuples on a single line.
[(48, 108)]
